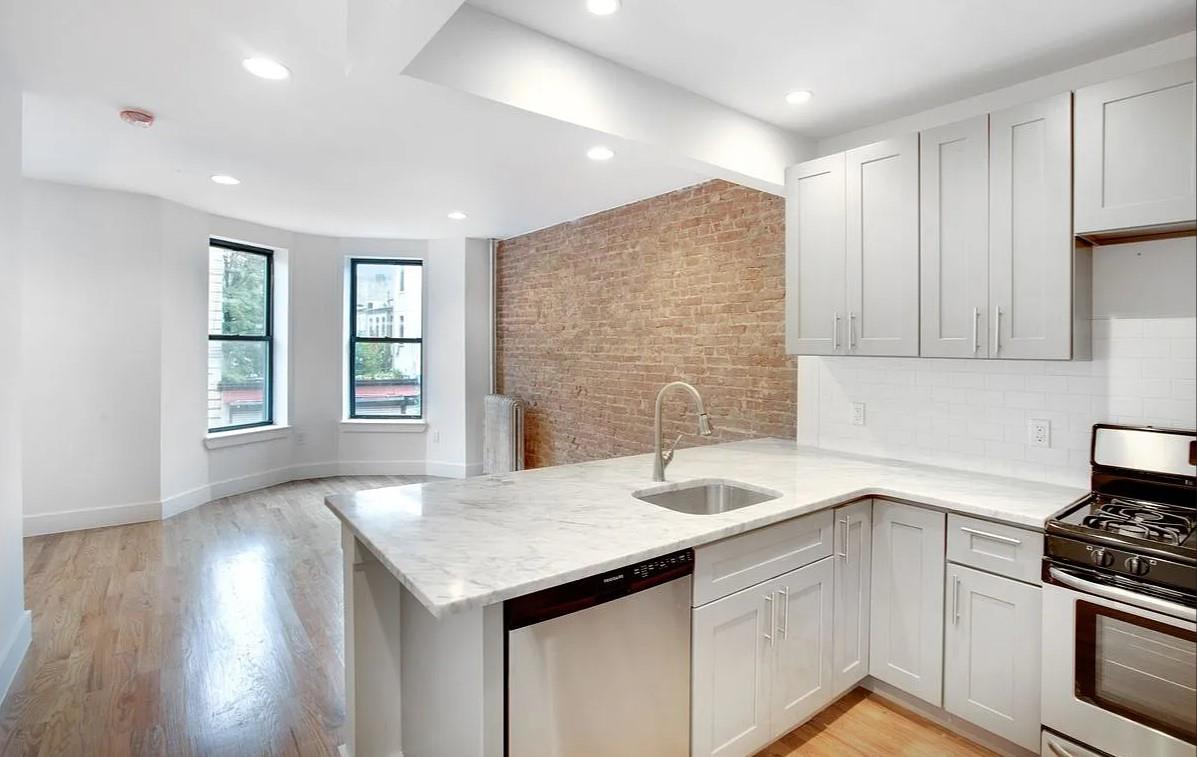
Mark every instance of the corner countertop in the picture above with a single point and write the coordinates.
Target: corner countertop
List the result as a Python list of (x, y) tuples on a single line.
[(462, 544)]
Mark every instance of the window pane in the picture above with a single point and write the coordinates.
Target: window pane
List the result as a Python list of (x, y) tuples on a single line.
[(237, 374), (388, 300), (237, 294), (386, 379)]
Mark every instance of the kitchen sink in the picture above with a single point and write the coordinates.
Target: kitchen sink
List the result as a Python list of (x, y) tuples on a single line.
[(705, 496)]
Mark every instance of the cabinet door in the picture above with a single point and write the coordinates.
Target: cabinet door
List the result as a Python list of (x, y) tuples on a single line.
[(850, 644), (991, 653), (883, 247), (802, 679), (954, 239), (1135, 161), (1030, 230), (906, 612), (815, 262), (731, 673)]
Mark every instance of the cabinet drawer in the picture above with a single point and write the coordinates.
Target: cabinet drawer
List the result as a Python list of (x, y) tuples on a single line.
[(741, 561), (1005, 550)]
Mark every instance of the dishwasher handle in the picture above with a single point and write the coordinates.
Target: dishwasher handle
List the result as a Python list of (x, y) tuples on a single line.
[(595, 590)]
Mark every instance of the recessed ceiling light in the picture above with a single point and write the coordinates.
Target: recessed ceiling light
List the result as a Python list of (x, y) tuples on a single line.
[(600, 152), (457, 215), (799, 96), (224, 178), (266, 68), (602, 7)]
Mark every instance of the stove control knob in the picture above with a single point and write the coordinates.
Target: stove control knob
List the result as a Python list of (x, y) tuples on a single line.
[(1101, 558), (1137, 566)]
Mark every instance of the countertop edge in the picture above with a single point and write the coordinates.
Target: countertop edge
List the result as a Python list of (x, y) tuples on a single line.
[(443, 609)]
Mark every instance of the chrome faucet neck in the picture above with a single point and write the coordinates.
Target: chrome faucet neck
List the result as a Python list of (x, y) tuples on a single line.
[(662, 458)]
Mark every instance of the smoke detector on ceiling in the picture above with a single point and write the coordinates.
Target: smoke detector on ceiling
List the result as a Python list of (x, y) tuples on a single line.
[(137, 117)]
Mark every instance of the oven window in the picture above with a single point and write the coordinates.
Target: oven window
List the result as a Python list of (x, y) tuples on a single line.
[(1138, 668)]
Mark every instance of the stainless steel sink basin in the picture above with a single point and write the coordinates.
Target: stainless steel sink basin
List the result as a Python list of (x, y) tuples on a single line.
[(707, 496)]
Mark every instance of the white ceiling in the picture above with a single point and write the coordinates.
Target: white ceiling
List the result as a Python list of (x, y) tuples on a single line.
[(369, 154), (867, 61)]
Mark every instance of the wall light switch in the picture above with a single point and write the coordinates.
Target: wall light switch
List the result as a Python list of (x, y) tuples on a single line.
[(858, 413), (436, 437), (1039, 433)]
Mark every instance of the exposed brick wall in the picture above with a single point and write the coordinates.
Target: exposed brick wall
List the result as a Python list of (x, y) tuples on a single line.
[(595, 315)]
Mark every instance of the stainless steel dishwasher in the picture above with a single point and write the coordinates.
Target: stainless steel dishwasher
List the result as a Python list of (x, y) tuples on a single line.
[(600, 667)]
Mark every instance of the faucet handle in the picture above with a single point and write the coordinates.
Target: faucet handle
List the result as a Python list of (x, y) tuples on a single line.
[(667, 455)]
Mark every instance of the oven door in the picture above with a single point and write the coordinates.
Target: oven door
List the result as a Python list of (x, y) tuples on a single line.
[(1118, 676)]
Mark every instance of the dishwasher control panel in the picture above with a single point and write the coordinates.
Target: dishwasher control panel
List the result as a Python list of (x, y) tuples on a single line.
[(668, 563)]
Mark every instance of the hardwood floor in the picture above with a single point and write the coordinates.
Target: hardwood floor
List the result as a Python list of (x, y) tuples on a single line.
[(219, 632), (862, 724)]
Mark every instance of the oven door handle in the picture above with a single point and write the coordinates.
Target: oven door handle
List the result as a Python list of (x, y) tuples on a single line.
[(1126, 597)]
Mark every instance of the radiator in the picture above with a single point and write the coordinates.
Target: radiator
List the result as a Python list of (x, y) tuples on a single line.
[(503, 448)]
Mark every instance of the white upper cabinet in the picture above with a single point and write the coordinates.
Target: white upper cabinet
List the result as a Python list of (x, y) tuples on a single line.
[(882, 189), (816, 308), (954, 239), (1135, 158), (1031, 246), (906, 612)]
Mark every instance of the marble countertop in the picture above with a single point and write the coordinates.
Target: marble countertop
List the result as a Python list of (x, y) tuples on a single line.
[(462, 544)]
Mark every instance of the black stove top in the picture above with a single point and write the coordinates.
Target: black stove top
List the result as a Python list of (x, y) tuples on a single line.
[(1154, 524), (1140, 521)]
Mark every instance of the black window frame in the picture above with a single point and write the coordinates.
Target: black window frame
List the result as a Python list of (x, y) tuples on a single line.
[(267, 337), (354, 339)]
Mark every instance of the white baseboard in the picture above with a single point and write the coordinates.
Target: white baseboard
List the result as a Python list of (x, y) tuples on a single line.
[(174, 504), (92, 517), (452, 470), (12, 655)]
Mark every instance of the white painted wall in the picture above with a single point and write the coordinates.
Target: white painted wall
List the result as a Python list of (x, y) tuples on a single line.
[(458, 355), (1167, 51), (129, 274), (14, 619)]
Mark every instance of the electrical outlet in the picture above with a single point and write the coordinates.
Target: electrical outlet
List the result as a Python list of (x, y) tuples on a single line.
[(1039, 433), (436, 437), (301, 438), (858, 413)]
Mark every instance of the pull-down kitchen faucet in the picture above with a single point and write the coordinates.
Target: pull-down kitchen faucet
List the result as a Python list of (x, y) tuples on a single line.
[(663, 458)]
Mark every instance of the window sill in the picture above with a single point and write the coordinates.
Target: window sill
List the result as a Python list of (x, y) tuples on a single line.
[(245, 436), (371, 426)]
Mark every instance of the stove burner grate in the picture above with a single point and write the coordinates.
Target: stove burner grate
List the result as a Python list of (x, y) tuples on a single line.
[(1139, 520)]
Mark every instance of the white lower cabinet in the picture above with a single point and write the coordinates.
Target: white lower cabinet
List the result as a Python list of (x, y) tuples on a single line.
[(853, 544), (992, 654), (906, 607), (762, 661)]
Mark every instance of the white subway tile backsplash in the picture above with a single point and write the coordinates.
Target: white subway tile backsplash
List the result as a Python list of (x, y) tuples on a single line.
[(973, 414)]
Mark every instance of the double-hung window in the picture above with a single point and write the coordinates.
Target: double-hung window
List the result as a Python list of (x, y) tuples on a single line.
[(240, 336), (386, 345)]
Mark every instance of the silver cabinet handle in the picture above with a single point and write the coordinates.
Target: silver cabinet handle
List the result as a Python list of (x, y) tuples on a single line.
[(997, 329), (785, 611), (772, 618), (1122, 595), (851, 331), (955, 599), (843, 538), (835, 332), (994, 537), (976, 330)]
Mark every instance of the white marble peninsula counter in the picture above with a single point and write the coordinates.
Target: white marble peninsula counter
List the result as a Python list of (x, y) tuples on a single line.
[(428, 566)]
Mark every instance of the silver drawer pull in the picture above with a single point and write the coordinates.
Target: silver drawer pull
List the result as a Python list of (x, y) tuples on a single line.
[(772, 617), (995, 537), (1058, 750)]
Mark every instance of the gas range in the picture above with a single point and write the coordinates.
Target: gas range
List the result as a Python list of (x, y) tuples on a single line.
[(1138, 527)]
